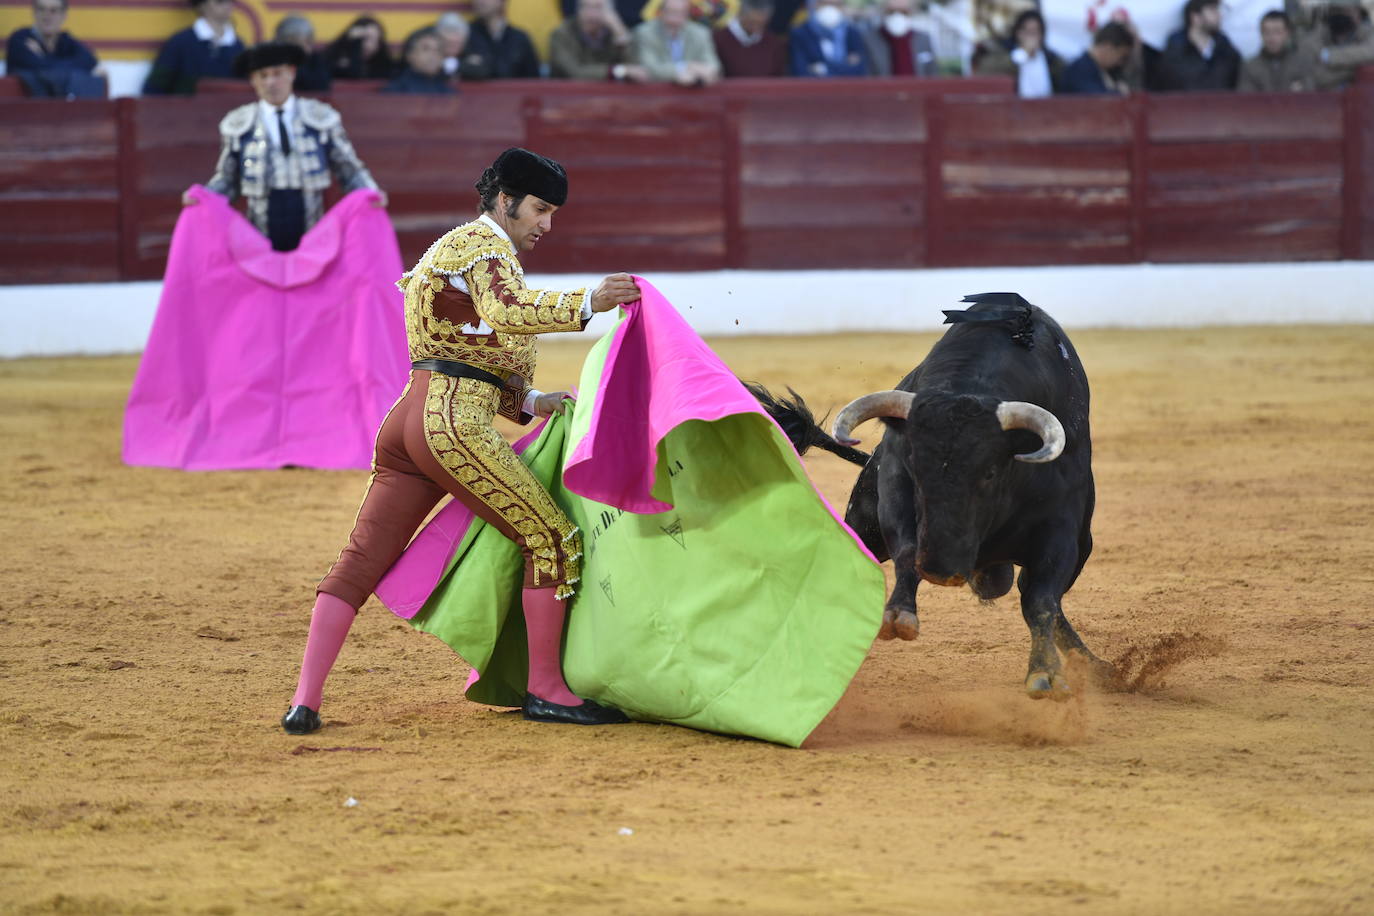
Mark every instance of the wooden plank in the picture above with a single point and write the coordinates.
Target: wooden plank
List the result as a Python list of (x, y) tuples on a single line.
[(1050, 245), (1357, 191), (856, 120), (1065, 120), (834, 163), (1188, 116), (787, 248), (48, 238), (1288, 241), (850, 207), (59, 191), (431, 120)]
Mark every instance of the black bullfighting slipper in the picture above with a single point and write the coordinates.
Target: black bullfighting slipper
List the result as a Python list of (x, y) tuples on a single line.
[(300, 720), (589, 713)]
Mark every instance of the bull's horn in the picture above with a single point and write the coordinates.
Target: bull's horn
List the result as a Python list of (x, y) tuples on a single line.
[(1022, 415), (878, 404)]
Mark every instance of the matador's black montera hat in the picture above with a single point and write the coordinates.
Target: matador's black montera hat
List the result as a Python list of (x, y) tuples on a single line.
[(267, 54), (524, 172)]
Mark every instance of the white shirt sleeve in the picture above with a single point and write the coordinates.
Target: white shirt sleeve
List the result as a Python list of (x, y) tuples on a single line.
[(528, 405)]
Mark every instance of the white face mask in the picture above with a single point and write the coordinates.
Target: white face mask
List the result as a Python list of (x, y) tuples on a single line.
[(897, 24), (829, 17)]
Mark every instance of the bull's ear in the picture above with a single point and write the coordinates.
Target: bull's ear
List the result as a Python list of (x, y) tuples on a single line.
[(894, 423)]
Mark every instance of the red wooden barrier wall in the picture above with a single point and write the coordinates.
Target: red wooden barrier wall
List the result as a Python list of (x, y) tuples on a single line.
[(751, 174)]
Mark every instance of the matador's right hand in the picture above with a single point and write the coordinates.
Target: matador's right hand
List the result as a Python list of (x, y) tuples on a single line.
[(187, 200), (615, 290)]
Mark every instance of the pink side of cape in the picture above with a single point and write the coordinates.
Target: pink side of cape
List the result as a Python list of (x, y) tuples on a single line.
[(658, 375), (261, 359)]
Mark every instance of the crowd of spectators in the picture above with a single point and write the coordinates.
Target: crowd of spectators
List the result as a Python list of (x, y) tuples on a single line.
[(1310, 44)]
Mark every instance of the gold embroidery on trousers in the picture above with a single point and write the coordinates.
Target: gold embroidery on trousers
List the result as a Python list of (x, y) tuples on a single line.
[(459, 431)]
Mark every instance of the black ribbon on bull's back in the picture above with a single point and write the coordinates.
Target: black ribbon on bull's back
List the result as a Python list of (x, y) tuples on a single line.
[(1015, 312)]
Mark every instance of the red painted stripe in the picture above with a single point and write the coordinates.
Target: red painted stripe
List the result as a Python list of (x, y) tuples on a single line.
[(374, 7), (156, 4)]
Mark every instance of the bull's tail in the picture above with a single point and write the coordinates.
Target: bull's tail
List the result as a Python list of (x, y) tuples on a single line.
[(799, 423)]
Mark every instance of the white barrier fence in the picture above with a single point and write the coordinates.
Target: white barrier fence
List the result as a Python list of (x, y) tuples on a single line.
[(105, 318)]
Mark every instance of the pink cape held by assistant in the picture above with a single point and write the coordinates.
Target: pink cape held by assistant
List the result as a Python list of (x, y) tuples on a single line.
[(264, 359)]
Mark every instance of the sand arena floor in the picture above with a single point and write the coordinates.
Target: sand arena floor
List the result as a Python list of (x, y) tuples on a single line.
[(151, 623)]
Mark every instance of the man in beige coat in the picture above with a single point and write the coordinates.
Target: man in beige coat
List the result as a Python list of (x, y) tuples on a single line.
[(1280, 66), (673, 50)]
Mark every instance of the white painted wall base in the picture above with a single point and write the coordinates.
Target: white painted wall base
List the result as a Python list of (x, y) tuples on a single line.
[(102, 318)]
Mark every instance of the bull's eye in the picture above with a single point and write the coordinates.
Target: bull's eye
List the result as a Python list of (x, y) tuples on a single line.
[(990, 474)]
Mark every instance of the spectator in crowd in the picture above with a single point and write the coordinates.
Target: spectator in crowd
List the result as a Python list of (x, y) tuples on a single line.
[(453, 32), (1280, 66), (49, 61), (629, 12), (496, 49), (1102, 68), (826, 44), (1039, 71), (360, 52), (785, 13), (313, 73), (593, 44), (1198, 57), (673, 50), (279, 152), (895, 46), (745, 47), (208, 48), (1337, 36), (424, 66)]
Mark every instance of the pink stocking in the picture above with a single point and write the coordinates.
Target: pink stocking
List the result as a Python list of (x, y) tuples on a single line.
[(544, 615), (329, 625)]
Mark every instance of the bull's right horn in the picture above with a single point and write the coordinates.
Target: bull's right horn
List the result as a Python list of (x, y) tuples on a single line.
[(878, 404), (1024, 415)]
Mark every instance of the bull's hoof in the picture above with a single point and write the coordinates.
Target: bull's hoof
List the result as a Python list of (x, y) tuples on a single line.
[(889, 628), (1042, 684), (907, 626)]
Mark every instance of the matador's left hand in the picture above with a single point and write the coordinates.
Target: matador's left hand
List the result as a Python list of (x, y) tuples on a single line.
[(381, 200), (551, 402)]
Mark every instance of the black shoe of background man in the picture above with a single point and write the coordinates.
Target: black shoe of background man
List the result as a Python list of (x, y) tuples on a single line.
[(300, 720), (589, 713)]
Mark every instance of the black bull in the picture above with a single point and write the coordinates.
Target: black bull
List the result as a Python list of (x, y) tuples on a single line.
[(985, 463)]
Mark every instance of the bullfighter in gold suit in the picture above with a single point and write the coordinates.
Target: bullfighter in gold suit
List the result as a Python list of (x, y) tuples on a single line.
[(471, 324)]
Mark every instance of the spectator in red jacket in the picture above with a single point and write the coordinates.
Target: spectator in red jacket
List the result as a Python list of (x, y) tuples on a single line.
[(746, 47)]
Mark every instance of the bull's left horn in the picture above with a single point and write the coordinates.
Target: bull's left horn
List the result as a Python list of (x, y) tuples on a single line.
[(1023, 415), (878, 404)]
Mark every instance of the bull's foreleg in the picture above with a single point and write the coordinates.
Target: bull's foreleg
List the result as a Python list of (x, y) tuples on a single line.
[(900, 523), (1042, 589)]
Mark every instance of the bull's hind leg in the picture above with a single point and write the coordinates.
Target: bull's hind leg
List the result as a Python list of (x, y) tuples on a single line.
[(1066, 638)]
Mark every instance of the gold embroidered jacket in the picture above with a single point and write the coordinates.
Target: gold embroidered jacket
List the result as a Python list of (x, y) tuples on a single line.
[(491, 326)]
